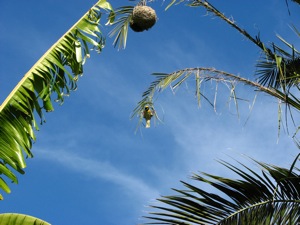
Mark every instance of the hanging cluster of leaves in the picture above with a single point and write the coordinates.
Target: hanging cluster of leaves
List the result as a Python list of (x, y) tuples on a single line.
[(51, 79), (271, 197)]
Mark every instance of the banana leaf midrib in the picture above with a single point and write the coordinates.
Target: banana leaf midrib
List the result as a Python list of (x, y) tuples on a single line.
[(27, 75), (32, 95)]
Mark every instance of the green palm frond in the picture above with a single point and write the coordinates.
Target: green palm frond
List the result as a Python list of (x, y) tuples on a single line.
[(20, 219), (272, 197), (282, 71), (52, 78)]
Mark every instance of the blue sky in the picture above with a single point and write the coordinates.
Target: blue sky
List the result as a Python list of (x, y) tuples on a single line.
[(89, 166)]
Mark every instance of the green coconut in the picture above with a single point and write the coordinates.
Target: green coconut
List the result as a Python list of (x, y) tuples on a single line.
[(143, 18)]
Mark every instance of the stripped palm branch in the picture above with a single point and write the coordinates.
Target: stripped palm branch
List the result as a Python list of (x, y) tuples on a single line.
[(55, 73), (203, 75), (211, 9), (278, 71), (277, 68), (272, 197)]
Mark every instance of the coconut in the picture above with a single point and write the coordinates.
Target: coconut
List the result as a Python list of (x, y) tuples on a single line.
[(143, 18)]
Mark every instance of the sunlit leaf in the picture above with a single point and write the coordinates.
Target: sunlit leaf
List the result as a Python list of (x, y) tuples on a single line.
[(20, 219), (55, 73)]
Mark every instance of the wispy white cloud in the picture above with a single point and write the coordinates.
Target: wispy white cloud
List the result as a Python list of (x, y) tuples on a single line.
[(204, 136), (101, 170)]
